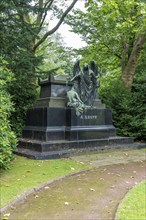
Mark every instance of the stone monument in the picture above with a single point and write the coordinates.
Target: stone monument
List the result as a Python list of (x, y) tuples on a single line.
[(69, 117)]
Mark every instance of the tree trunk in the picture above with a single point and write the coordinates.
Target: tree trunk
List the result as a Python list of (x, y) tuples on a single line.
[(129, 70)]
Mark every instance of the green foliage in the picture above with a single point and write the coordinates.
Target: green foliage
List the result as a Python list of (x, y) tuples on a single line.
[(15, 46), (26, 174), (7, 137), (56, 58), (114, 94), (128, 108), (23, 31), (24, 87), (138, 105), (111, 29), (133, 205)]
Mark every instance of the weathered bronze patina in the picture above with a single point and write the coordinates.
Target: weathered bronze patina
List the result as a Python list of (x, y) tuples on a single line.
[(84, 91)]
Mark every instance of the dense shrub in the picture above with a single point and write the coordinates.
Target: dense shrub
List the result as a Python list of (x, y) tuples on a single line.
[(23, 89), (138, 107), (128, 108), (7, 137)]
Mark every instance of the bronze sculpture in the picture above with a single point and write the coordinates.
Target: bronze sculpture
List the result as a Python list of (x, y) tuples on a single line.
[(84, 91)]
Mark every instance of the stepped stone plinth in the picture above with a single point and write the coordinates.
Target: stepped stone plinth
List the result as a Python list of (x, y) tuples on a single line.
[(53, 129)]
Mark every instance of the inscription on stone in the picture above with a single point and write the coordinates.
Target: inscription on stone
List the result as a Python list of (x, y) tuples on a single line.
[(88, 117)]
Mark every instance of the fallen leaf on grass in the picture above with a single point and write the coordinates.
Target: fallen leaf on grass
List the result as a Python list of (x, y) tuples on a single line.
[(47, 187), (112, 187), (92, 189), (134, 171), (7, 215), (104, 170), (79, 189), (12, 207), (111, 201), (132, 177)]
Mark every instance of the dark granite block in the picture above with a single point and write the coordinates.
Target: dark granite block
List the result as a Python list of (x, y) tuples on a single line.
[(32, 132), (56, 117), (36, 117), (44, 134), (44, 117), (91, 117), (89, 132), (108, 116), (54, 87)]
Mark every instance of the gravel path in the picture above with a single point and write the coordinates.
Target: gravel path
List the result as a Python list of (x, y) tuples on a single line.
[(94, 194)]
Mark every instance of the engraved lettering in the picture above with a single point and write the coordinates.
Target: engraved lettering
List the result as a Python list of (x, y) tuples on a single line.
[(87, 117)]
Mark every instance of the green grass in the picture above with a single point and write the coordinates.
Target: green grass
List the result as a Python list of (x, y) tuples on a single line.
[(26, 174), (133, 206)]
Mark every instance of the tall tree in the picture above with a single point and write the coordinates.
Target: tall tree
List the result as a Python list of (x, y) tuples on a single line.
[(114, 29), (57, 58), (24, 28), (34, 14)]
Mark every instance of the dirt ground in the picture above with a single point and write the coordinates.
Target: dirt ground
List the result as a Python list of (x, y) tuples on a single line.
[(94, 194)]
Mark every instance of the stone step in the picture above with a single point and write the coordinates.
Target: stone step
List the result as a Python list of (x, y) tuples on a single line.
[(42, 146), (69, 150)]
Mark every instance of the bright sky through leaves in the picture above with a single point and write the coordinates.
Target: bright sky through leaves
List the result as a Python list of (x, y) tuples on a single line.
[(71, 39)]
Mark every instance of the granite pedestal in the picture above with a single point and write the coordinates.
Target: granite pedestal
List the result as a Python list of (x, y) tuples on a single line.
[(52, 130)]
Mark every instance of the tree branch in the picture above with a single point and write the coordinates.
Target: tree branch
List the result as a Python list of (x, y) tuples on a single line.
[(125, 47), (56, 27), (135, 53), (117, 55), (40, 13), (130, 68), (46, 6)]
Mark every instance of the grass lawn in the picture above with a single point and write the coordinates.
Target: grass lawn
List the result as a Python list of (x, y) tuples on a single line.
[(133, 206), (26, 174)]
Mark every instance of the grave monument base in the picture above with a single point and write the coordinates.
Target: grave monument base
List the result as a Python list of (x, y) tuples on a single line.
[(40, 150), (53, 130)]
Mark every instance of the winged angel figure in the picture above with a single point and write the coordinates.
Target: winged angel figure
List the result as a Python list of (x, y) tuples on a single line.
[(84, 90)]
